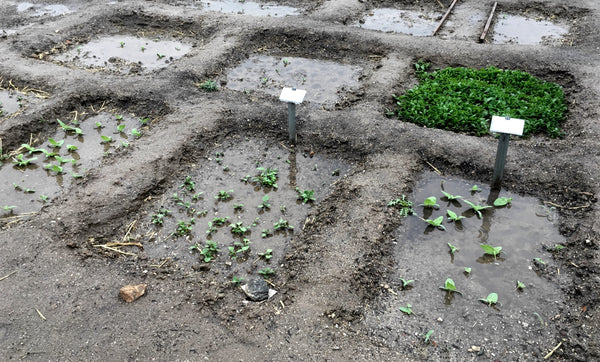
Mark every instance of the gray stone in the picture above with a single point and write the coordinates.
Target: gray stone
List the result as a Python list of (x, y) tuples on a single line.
[(256, 289)]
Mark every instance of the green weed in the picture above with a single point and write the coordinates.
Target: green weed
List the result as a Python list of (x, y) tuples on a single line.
[(106, 139), (427, 336), (306, 195), (451, 197), (267, 177), (189, 184), (404, 206), (236, 280), (520, 285)]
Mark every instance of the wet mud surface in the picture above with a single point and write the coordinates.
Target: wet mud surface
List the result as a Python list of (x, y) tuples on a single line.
[(171, 110)]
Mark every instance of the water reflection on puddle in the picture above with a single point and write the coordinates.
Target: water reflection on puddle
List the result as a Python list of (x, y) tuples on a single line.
[(401, 21), (249, 8), (523, 30), (126, 54), (43, 9), (323, 80)]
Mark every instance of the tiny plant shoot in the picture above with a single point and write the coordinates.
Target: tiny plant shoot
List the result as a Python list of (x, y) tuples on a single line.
[(520, 285), (477, 208), (436, 223), (407, 310), (452, 216), (453, 249), (491, 250), (427, 336), (404, 206), (430, 202), (306, 195), (405, 283), (451, 197), (492, 298), (502, 201), (468, 270), (450, 287)]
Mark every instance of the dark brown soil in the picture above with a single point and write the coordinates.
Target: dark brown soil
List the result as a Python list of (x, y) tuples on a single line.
[(61, 289)]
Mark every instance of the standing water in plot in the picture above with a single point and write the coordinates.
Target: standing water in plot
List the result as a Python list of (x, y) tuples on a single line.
[(524, 229), (126, 54), (12, 101), (401, 21), (27, 185), (249, 8), (523, 30), (43, 9), (324, 81)]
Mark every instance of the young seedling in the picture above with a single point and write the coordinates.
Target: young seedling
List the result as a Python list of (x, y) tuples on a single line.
[(224, 195), (282, 225), (539, 261), (157, 219), (477, 208), (266, 233), (20, 161), (197, 196), (55, 168), (427, 336), (43, 198), (283, 209), (404, 206), (106, 139), (120, 128), (492, 298), (452, 216), (306, 195), (265, 203), (136, 133), (208, 85), (405, 283), (451, 197), (64, 160), (160, 56), (47, 153), (502, 201), (267, 255), (98, 125), (144, 120), (188, 184), (236, 280), (266, 272), (238, 207), (491, 250), (407, 310), (183, 228), (436, 223), (211, 228), (71, 148), (556, 247), (210, 251), (475, 188), (430, 203), (246, 179), (220, 221), (453, 249), (520, 285), (29, 191), (450, 287), (238, 228), (122, 44), (267, 177), (54, 143), (29, 148), (8, 208), (468, 270)]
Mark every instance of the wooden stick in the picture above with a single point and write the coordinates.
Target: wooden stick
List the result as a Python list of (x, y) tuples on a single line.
[(444, 18), (489, 22), (6, 276), (40, 313), (115, 250), (434, 169), (553, 350)]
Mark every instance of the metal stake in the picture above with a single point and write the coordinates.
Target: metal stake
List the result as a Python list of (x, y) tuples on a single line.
[(500, 160), (292, 122)]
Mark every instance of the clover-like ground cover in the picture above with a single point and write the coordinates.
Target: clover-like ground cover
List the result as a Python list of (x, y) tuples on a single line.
[(465, 99)]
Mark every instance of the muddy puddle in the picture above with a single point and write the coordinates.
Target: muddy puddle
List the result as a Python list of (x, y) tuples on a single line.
[(523, 30), (41, 178), (409, 22), (31, 9), (525, 229), (249, 8), (125, 54), (230, 169), (12, 102), (324, 81)]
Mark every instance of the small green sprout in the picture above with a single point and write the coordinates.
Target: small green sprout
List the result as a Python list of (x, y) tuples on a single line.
[(404, 206), (427, 336), (54, 143), (238, 228), (266, 233), (210, 251), (211, 228), (265, 203), (238, 206), (407, 310), (144, 120), (430, 203), (122, 44), (282, 225), (224, 195), (197, 196), (267, 177), (520, 285), (43, 198), (502, 201), (475, 188), (28, 191), (157, 218), (405, 283), (450, 287), (477, 208), (136, 133), (492, 298), (452, 216), (106, 139), (8, 208), (143, 48), (120, 128), (98, 125), (453, 249), (540, 261), (283, 209), (267, 254), (436, 223), (266, 272), (491, 250), (55, 168), (236, 280), (208, 85), (20, 161), (246, 179), (124, 143), (160, 56), (468, 270), (188, 183), (556, 247), (71, 148), (451, 197), (306, 195), (183, 228), (118, 117)]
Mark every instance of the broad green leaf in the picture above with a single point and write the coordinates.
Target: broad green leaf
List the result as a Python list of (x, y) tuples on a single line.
[(492, 298), (502, 201), (449, 285), (491, 250)]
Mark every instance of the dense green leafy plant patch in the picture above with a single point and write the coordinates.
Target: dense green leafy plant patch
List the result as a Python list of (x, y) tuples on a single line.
[(464, 100)]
